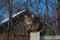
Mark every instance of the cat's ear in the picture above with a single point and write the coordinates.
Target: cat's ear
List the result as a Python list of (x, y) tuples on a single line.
[(25, 16), (32, 16)]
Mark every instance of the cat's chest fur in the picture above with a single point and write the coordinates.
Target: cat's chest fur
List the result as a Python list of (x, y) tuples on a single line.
[(28, 22)]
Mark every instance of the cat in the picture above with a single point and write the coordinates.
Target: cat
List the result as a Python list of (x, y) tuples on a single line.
[(30, 23), (33, 22)]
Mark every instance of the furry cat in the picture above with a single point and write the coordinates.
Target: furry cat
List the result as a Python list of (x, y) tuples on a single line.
[(33, 22), (30, 23)]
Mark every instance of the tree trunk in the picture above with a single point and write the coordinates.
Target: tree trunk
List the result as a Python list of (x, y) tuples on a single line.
[(10, 19), (58, 18)]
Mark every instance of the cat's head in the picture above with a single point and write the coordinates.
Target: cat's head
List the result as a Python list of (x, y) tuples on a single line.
[(29, 19)]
